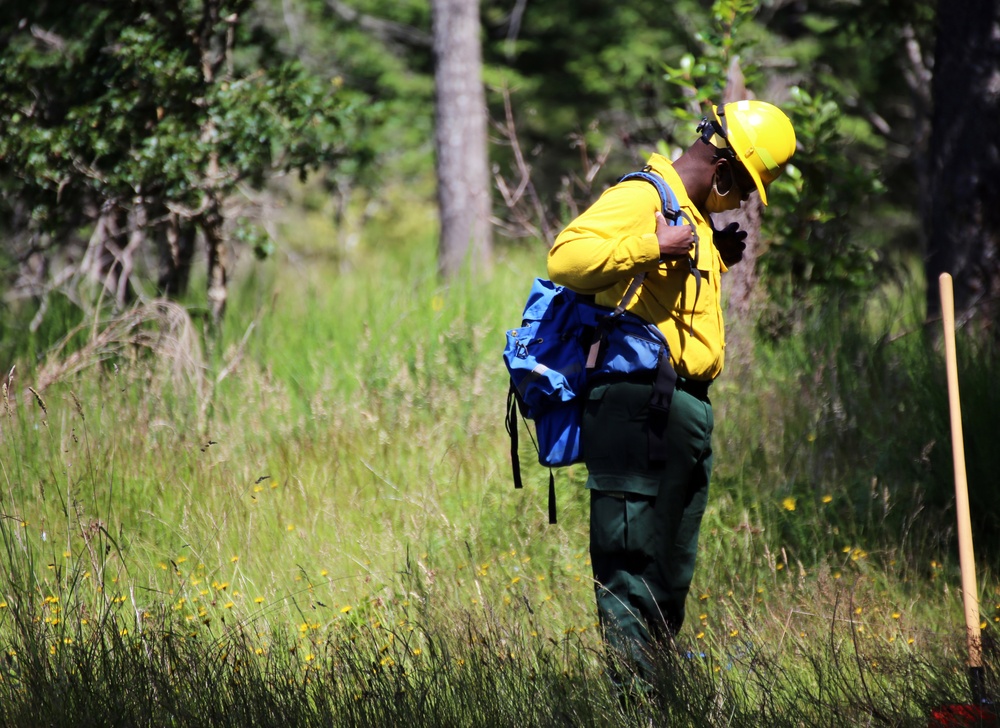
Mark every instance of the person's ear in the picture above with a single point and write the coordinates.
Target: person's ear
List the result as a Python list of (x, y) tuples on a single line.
[(724, 176)]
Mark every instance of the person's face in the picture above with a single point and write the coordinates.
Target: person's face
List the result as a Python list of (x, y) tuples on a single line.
[(733, 174), (731, 186)]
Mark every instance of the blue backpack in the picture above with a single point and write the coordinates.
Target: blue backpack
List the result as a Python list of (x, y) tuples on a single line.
[(567, 343)]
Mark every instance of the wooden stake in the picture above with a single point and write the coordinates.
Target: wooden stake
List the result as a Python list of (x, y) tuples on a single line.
[(966, 555)]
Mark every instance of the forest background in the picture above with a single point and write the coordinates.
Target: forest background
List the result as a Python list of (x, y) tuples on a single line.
[(253, 402)]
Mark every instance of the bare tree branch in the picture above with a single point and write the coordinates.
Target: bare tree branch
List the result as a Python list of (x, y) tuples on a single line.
[(528, 218), (48, 37), (514, 28), (527, 215), (384, 30)]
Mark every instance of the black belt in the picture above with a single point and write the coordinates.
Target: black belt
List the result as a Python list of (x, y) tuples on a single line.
[(695, 387)]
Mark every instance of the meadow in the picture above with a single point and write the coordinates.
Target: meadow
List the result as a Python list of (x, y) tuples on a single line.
[(311, 521)]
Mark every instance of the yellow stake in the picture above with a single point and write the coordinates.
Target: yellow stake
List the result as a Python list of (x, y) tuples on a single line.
[(966, 555)]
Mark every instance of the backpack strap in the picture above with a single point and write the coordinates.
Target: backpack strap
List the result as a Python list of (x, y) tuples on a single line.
[(515, 458), (604, 327), (674, 214), (659, 407), (511, 422), (666, 377), (668, 201)]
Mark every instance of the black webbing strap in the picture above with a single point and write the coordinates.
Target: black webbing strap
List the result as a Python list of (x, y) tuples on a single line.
[(511, 422), (659, 407), (697, 288), (604, 327), (552, 497), (629, 294)]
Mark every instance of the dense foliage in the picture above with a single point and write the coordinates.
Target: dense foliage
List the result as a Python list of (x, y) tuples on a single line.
[(112, 104), (126, 127), (578, 102)]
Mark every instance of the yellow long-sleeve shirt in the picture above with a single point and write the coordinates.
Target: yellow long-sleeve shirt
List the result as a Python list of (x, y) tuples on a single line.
[(603, 249)]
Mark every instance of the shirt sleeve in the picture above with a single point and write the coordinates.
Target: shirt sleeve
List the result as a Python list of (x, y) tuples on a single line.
[(614, 239)]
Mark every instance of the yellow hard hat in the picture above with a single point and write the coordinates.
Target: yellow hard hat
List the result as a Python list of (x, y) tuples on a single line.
[(759, 135)]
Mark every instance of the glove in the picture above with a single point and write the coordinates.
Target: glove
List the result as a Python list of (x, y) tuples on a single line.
[(730, 243)]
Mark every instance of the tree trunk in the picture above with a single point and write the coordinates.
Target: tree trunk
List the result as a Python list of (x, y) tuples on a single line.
[(215, 54), (963, 217), (460, 138), (211, 226), (176, 241), (118, 234), (137, 218)]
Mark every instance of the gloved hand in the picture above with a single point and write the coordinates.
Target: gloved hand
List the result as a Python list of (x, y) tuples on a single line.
[(730, 243)]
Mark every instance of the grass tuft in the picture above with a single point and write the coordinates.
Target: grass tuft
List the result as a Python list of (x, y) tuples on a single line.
[(311, 522)]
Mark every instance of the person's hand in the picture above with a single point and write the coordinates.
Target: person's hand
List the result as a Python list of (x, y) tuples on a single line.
[(674, 239), (730, 242)]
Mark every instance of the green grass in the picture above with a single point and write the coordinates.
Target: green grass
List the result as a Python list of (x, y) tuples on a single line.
[(316, 524)]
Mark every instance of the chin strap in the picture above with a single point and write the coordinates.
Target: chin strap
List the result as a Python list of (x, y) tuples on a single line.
[(716, 133)]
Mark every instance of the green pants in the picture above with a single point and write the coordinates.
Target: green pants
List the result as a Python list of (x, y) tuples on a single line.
[(644, 518)]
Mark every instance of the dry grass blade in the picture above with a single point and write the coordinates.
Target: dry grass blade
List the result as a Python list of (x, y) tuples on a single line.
[(5, 389), (159, 327), (39, 400)]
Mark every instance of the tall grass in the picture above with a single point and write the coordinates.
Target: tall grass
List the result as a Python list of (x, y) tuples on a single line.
[(318, 526)]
